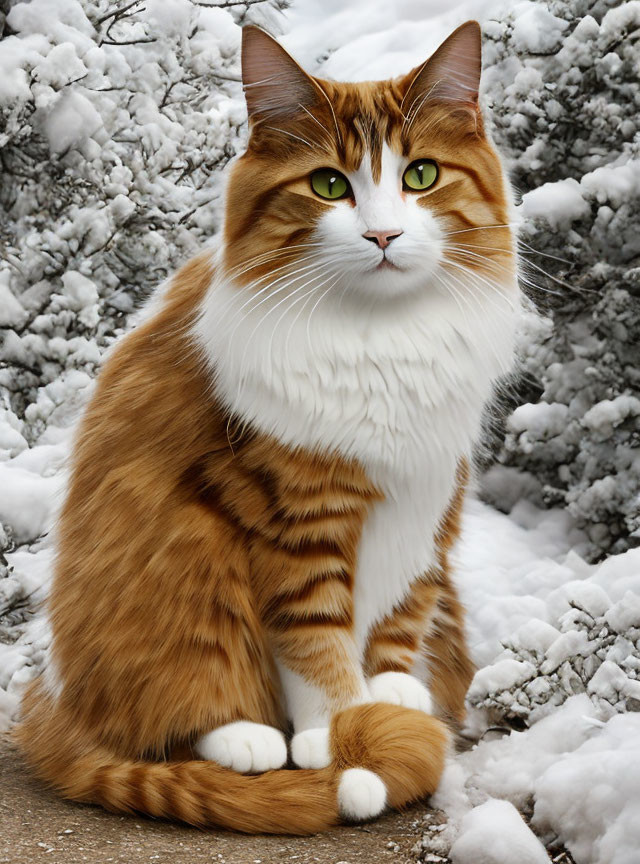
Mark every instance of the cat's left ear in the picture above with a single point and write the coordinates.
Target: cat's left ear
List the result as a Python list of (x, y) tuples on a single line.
[(450, 75), (274, 84)]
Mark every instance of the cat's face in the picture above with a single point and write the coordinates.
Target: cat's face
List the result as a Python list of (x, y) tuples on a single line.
[(370, 190)]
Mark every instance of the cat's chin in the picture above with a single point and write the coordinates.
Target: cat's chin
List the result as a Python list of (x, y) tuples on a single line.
[(388, 280)]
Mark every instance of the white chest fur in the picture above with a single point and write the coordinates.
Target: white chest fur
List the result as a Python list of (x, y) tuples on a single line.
[(400, 389), (397, 543)]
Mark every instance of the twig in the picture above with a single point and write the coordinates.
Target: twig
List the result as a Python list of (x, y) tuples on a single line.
[(227, 3), (128, 42), (118, 12)]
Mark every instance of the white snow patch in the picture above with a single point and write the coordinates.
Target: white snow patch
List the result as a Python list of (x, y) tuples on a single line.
[(494, 833), (559, 203)]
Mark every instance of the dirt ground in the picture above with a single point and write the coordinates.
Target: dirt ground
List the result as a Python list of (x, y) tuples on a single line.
[(36, 826)]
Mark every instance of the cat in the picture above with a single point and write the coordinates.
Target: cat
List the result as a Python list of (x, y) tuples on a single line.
[(269, 477)]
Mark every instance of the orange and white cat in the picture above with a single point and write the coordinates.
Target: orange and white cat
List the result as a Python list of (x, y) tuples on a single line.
[(270, 474)]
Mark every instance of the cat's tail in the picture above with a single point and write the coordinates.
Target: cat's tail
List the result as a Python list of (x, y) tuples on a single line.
[(383, 755)]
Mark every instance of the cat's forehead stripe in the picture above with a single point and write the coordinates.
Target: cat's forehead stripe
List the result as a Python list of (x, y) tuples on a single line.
[(369, 116), (371, 142)]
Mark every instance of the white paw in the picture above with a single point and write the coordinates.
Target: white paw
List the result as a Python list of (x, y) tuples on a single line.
[(361, 794), (249, 748), (400, 689), (310, 749)]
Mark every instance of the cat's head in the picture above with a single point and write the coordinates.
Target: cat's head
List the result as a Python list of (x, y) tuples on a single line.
[(374, 189)]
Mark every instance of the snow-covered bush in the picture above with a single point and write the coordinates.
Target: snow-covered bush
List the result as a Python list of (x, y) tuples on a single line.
[(562, 84), (556, 722), (594, 648), (115, 120)]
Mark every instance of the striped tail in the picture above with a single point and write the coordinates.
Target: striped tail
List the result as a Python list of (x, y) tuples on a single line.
[(383, 755)]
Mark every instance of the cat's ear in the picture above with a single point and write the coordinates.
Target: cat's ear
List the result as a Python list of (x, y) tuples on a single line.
[(451, 75), (274, 84)]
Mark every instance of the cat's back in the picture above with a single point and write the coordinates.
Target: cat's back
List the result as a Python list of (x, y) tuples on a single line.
[(146, 416), (160, 347)]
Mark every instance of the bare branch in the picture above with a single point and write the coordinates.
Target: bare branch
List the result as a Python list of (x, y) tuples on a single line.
[(118, 12)]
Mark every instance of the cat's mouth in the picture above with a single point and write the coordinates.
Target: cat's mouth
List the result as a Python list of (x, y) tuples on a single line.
[(385, 264)]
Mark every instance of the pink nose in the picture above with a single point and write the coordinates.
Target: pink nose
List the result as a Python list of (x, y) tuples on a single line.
[(382, 238)]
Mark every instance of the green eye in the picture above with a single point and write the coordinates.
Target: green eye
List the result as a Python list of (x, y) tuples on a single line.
[(420, 175), (328, 183)]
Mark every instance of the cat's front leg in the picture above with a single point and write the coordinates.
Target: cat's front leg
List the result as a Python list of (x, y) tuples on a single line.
[(303, 558), (401, 688), (394, 645), (310, 708), (307, 610), (417, 655)]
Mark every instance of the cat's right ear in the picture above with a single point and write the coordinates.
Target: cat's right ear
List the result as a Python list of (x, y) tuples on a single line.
[(274, 85), (451, 75)]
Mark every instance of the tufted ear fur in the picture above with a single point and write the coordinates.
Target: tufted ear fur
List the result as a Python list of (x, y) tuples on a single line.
[(274, 84), (451, 75)]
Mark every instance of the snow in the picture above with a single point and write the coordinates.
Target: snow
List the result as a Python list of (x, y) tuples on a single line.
[(564, 201), (501, 675), (493, 833), (559, 203), (540, 417), (610, 412), (26, 502), (12, 313), (72, 120), (126, 166), (559, 645), (536, 29), (601, 823), (566, 116), (613, 185)]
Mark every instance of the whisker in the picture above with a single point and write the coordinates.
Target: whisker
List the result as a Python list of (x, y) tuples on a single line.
[(263, 319), (307, 294), (481, 228), (309, 268), (536, 285), (553, 279), (281, 250), (284, 299), (254, 282), (546, 254), (315, 119), (324, 294), (347, 285), (520, 273), (249, 288), (470, 294), (468, 297), (291, 135), (482, 246), (455, 294), (476, 276), (489, 262), (529, 251)]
